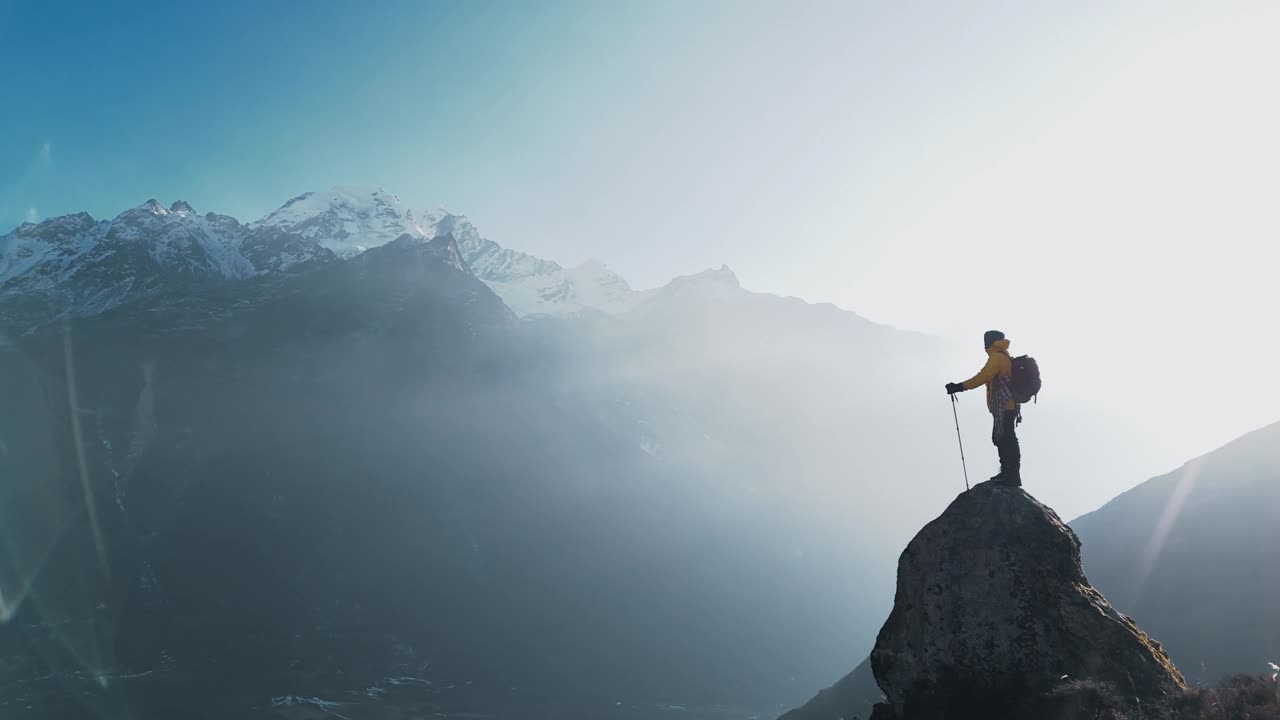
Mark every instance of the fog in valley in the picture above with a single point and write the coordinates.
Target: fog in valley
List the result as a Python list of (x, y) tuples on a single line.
[(614, 385)]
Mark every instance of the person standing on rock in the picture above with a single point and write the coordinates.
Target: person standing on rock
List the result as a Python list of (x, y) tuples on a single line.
[(997, 375)]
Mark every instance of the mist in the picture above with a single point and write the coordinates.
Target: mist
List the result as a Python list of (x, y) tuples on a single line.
[(335, 453)]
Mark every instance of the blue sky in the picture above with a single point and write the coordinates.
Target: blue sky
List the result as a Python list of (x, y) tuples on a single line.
[(240, 105), (1090, 176), (571, 129)]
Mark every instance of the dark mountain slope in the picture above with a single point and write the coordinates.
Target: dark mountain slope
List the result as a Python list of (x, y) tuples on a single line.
[(311, 482), (1192, 556)]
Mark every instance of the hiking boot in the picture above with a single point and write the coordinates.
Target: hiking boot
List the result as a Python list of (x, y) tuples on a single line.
[(1007, 479)]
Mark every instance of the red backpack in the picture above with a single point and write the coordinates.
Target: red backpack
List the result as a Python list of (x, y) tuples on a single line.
[(1025, 380)]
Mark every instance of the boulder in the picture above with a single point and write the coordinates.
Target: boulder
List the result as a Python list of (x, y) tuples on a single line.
[(994, 618), (993, 612)]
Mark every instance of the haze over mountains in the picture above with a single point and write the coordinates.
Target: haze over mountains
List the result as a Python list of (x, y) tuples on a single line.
[(237, 436), (77, 265)]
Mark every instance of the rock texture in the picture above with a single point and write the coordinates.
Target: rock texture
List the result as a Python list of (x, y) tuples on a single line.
[(994, 618), (993, 610)]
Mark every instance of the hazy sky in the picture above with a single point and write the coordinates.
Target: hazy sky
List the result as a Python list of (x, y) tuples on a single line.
[(1099, 179)]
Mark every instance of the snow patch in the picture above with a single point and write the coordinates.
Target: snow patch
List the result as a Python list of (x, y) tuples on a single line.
[(405, 680), (285, 700)]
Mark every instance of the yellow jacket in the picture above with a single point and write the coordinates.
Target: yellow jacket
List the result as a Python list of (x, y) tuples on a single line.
[(999, 365)]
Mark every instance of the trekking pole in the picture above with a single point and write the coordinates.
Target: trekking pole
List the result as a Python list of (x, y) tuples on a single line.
[(963, 464)]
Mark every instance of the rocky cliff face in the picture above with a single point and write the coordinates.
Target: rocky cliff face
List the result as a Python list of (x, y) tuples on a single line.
[(993, 614)]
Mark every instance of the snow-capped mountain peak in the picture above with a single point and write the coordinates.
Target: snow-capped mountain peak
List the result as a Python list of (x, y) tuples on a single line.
[(63, 223), (350, 220), (346, 220), (712, 279), (597, 286), (721, 276), (38, 256), (718, 284), (153, 207), (439, 221), (179, 208)]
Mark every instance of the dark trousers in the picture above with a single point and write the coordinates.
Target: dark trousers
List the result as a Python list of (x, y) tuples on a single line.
[(1004, 435)]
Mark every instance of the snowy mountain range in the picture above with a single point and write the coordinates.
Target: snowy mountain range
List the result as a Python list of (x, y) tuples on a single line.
[(337, 382), (75, 265)]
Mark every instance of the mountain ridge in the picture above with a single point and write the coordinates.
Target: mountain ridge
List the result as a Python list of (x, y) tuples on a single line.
[(75, 265), (1176, 541)]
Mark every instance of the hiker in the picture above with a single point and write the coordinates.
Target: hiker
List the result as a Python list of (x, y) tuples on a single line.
[(997, 375)]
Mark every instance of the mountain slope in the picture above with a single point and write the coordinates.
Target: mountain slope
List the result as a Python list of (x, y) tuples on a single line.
[(1192, 557), (301, 484)]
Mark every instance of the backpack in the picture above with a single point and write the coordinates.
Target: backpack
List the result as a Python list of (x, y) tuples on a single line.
[(1025, 380)]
